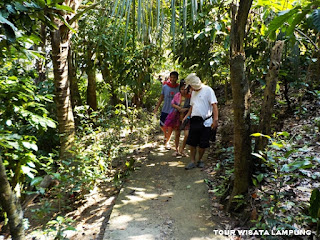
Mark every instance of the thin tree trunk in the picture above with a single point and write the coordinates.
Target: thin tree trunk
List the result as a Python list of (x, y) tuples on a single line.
[(92, 85), (11, 206), (241, 106), (60, 41), (41, 63), (107, 77), (269, 95), (72, 75)]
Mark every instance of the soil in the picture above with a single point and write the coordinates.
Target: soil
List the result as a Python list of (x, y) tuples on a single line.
[(158, 200), (162, 200)]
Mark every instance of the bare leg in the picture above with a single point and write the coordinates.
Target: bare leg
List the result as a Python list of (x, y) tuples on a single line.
[(201, 152), (176, 140), (183, 145), (193, 154), (164, 130), (168, 136)]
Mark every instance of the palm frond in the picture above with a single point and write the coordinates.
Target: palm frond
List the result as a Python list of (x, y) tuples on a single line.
[(114, 8), (128, 8), (139, 15), (173, 23), (158, 13), (316, 19)]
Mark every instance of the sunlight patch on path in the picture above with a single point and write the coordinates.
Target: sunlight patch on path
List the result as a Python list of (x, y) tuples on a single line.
[(162, 201)]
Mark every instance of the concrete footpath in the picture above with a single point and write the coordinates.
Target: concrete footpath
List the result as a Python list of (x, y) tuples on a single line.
[(162, 201)]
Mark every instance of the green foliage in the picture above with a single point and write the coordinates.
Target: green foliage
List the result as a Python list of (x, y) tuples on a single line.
[(126, 66), (316, 19), (226, 166), (280, 158), (152, 95), (59, 226), (314, 209), (23, 118), (201, 45)]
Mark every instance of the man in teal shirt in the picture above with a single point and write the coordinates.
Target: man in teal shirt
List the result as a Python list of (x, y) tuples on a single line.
[(169, 89)]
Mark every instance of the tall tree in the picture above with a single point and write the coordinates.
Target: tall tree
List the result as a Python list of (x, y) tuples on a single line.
[(72, 76), (11, 205), (241, 100), (60, 41), (91, 73), (269, 95)]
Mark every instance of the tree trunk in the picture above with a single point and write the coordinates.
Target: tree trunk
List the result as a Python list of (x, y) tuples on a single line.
[(92, 85), (11, 206), (269, 95), (241, 106), (107, 77), (41, 63), (72, 75), (60, 41), (138, 91)]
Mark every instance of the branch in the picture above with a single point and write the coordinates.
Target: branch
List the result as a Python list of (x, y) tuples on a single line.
[(79, 14), (303, 34)]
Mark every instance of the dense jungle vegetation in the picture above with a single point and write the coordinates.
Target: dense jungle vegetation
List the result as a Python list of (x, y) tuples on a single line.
[(79, 81)]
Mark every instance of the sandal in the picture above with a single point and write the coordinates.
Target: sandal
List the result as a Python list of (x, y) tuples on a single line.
[(184, 154), (190, 166), (167, 146), (175, 154), (200, 164)]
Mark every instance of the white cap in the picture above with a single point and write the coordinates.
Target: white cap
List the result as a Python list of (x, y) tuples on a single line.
[(194, 81)]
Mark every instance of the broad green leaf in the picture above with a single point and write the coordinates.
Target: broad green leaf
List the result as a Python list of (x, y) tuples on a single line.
[(316, 19), (42, 3), (9, 29), (277, 145), (32, 5), (51, 123), (260, 177), (20, 7), (260, 135), (26, 144), (315, 203), (14, 145), (31, 164), (36, 181), (286, 134), (10, 9), (70, 228), (258, 156), (63, 7), (28, 171), (278, 22), (254, 181)]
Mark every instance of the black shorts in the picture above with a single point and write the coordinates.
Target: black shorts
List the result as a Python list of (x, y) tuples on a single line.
[(163, 117), (199, 137)]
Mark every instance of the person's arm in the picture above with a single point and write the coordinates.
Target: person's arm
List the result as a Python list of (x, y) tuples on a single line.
[(188, 114), (215, 115), (180, 109), (176, 99), (158, 104)]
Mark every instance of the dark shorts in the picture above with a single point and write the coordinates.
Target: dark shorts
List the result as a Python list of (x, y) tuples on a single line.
[(199, 137), (163, 117)]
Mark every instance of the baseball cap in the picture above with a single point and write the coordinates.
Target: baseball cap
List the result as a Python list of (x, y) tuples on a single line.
[(194, 81)]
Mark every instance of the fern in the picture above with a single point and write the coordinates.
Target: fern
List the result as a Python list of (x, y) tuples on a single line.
[(316, 19)]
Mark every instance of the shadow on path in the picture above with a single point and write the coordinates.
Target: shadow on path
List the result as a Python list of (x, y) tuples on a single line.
[(162, 201)]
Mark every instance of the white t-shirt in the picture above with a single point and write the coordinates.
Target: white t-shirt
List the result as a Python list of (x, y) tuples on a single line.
[(201, 102)]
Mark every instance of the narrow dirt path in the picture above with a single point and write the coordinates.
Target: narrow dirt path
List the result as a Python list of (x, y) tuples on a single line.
[(162, 201)]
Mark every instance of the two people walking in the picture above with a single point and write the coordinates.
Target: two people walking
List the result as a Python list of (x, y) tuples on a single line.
[(195, 110)]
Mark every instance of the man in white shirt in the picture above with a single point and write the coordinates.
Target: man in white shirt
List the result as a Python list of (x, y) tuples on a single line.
[(204, 115)]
